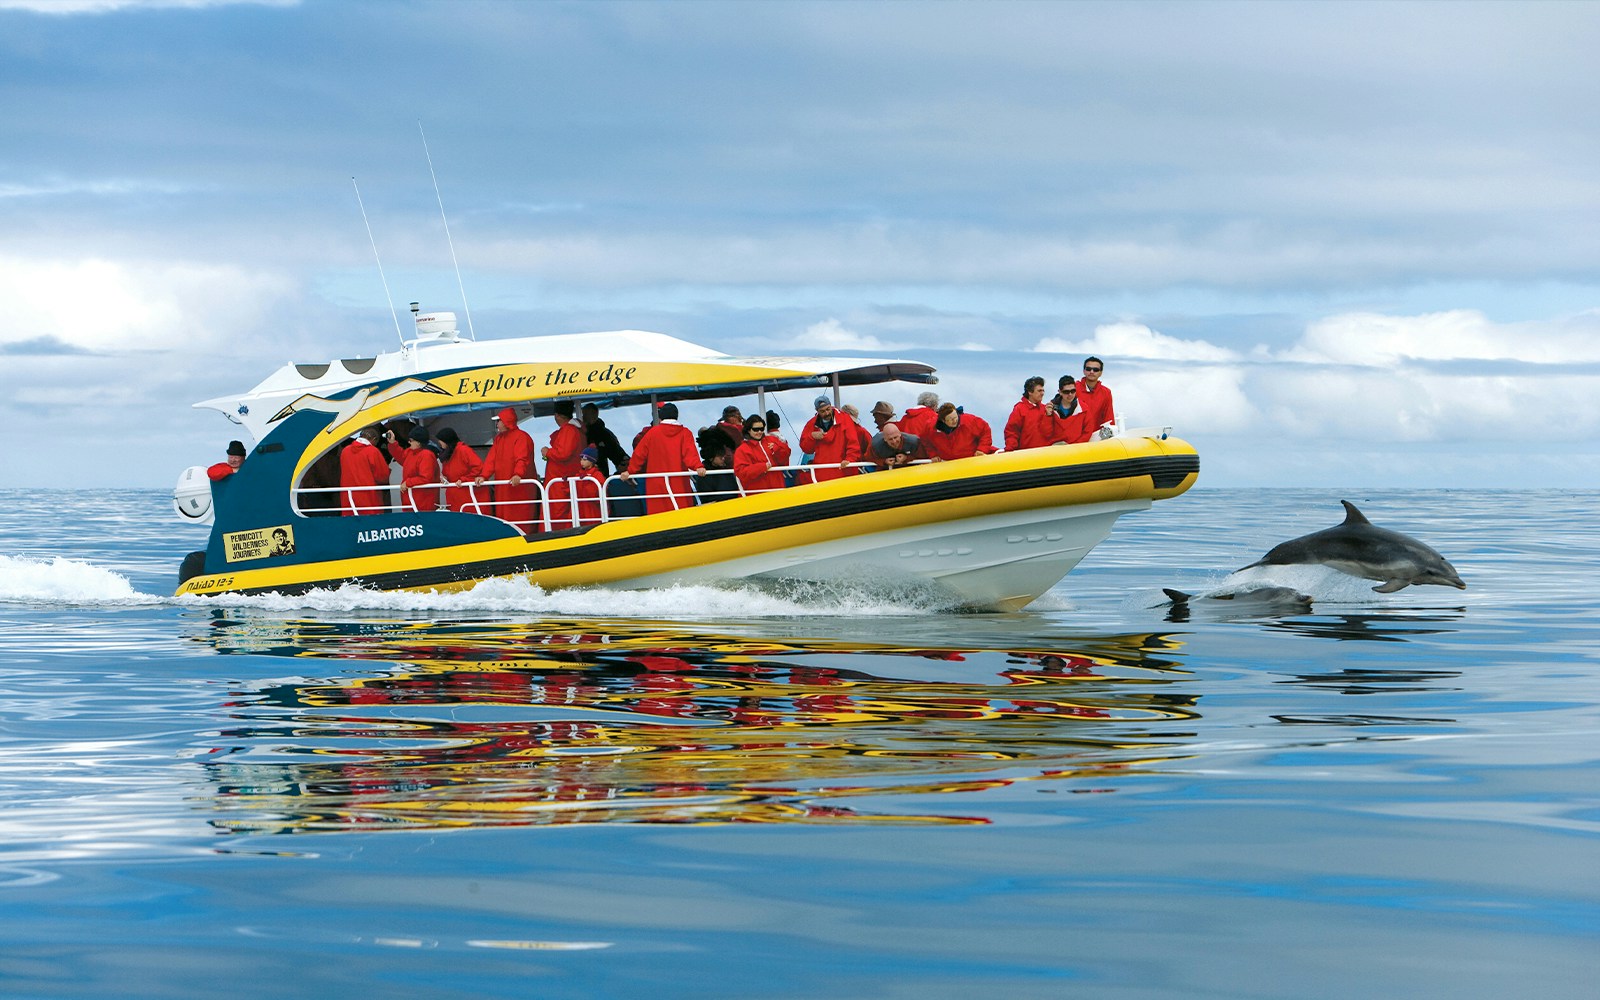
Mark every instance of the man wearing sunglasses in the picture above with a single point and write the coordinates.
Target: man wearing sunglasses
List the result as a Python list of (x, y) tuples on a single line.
[(1094, 404)]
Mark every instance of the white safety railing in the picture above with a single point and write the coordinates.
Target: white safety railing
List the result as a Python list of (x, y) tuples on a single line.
[(558, 504)]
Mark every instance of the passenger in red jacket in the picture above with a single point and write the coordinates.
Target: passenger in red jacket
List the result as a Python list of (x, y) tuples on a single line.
[(362, 467), (222, 470), (561, 460), (1094, 398), (830, 436), (577, 496), (958, 434), (589, 487), (1032, 423), (920, 419), (419, 470), (732, 424), (460, 467), (666, 447), (757, 456), (863, 436), (1070, 427), (784, 453), (510, 461)]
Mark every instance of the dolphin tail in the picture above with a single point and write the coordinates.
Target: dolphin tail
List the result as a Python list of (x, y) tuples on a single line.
[(1353, 516), (1176, 596)]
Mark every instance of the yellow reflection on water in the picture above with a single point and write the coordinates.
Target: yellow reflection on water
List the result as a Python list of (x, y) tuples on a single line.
[(421, 725)]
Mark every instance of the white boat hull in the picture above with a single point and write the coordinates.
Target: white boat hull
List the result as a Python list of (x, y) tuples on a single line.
[(999, 562)]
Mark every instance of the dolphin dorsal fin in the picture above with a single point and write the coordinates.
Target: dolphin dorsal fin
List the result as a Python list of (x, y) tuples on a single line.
[(1353, 516)]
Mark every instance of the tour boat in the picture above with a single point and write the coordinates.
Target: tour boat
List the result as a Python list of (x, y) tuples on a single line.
[(990, 532)]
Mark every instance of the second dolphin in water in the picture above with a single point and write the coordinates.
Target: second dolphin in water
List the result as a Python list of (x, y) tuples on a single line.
[(1263, 596), (1360, 548)]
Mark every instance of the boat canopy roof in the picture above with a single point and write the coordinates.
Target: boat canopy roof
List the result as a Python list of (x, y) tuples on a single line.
[(617, 368)]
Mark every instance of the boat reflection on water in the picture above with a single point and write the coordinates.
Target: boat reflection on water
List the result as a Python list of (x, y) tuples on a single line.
[(426, 725)]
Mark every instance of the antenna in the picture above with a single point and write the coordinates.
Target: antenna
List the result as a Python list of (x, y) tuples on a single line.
[(386, 296), (473, 334)]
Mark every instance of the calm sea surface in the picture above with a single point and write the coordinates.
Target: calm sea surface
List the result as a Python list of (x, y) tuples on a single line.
[(733, 793)]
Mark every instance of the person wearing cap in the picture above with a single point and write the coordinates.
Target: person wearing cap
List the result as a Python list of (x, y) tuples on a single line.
[(222, 470), (920, 419), (460, 465), (666, 449), (958, 435), (561, 460), (363, 468), (882, 413), (830, 438), (588, 487), (419, 470), (510, 466), (758, 455), (575, 499)]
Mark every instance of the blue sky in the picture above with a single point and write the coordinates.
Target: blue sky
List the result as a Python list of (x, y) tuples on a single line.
[(1331, 244)]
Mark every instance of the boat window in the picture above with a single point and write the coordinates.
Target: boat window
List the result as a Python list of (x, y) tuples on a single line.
[(312, 371), (358, 366)]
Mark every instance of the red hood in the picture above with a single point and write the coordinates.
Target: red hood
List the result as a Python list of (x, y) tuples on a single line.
[(508, 418)]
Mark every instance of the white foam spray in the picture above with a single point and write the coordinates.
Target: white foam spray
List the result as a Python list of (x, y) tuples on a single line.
[(65, 581)]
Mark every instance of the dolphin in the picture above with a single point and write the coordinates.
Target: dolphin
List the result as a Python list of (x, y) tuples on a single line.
[(1270, 595), (1360, 548)]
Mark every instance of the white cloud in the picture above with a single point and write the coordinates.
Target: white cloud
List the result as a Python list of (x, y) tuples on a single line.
[(1194, 400), (104, 305), (1338, 406), (830, 335), (63, 186), (1377, 340), (1135, 340)]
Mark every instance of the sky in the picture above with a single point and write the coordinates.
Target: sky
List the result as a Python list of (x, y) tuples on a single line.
[(1331, 245)]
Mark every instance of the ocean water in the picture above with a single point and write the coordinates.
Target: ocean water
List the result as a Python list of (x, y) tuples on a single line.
[(733, 793)]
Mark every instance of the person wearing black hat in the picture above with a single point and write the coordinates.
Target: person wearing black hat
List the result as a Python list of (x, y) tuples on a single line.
[(461, 465), (419, 472), (665, 451), (222, 470), (561, 460)]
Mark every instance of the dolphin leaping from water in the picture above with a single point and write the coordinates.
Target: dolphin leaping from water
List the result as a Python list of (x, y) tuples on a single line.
[(1360, 548)]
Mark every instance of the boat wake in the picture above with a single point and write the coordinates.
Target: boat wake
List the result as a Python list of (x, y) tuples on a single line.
[(60, 580)]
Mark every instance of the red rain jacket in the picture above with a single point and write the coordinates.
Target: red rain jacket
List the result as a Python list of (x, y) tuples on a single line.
[(667, 447)]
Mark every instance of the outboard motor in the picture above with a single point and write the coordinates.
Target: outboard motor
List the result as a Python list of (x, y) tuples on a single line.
[(191, 498)]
